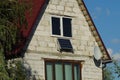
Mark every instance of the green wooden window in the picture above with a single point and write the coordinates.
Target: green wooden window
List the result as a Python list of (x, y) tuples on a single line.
[(62, 70)]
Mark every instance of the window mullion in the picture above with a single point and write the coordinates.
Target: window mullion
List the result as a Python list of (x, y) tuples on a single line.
[(72, 71), (80, 71), (63, 71), (61, 26), (54, 71), (45, 71)]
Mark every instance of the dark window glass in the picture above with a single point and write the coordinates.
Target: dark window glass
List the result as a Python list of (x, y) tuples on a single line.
[(65, 45), (67, 27), (56, 26)]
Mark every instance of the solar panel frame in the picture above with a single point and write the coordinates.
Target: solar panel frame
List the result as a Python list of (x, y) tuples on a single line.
[(65, 45)]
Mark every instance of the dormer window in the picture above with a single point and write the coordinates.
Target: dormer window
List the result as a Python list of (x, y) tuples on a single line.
[(61, 26)]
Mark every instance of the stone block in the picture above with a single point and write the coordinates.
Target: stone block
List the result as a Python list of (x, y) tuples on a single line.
[(76, 10), (69, 4), (55, 2), (68, 9), (61, 8), (53, 7), (51, 44), (31, 47)]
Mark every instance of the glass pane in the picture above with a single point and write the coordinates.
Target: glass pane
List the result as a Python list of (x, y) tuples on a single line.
[(49, 71), (76, 72), (58, 71), (67, 27), (68, 71), (65, 44), (55, 26)]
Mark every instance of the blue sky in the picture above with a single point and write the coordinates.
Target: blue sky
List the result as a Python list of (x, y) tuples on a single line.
[(106, 16)]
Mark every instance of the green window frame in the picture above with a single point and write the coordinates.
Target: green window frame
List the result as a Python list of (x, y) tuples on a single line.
[(62, 70)]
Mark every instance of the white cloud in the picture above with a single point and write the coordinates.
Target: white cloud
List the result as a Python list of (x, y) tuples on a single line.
[(110, 51), (107, 12), (96, 12), (116, 56), (94, 15), (98, 9), (115, 41)]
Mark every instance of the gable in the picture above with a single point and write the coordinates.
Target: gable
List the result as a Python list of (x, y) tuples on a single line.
[(37, 8), (77, 12), (48, 45)]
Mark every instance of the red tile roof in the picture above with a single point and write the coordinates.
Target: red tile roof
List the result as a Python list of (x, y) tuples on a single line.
[(31, 16)]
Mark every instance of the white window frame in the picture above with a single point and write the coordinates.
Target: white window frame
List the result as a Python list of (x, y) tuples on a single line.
[(61, 26)]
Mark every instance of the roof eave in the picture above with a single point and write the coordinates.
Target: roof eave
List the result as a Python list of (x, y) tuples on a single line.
[(94, 31)]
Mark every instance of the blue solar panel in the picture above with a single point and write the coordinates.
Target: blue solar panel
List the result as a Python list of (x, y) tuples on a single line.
[(65, 45)]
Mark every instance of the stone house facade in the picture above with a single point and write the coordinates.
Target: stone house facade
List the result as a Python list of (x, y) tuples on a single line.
[(62, 45)]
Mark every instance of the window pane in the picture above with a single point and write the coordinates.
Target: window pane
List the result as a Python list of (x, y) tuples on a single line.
[(67, 27), (68, 71), (55, 26), (76, 72), (58, 71), (49, 71)]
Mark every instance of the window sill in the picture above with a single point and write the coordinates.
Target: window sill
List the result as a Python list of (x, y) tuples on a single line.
[(62, 37)]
